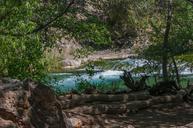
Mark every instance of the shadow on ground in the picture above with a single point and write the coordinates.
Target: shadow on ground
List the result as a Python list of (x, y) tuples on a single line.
[(160, 116)]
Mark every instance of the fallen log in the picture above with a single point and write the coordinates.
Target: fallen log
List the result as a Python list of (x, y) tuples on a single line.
[(132, 106), (78, 100)]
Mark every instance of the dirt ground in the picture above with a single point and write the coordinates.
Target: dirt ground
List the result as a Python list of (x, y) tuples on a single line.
[(164, 116), (160, 116)]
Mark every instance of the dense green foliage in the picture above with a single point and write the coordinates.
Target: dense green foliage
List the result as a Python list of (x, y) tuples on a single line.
[(90, 30), (20, 54), (29, 27), (180, 39)]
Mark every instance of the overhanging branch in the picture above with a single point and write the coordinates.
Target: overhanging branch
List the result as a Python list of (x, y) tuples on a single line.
[(41, 27), (51, 21)]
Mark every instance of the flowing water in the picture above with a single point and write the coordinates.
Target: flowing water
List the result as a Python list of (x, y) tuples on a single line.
[(67, 81)]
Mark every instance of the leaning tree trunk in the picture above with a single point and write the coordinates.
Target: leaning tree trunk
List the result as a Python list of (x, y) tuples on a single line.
[(165, 42)]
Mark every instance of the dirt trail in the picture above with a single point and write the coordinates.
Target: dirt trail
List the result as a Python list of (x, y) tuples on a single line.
[(161, 116)]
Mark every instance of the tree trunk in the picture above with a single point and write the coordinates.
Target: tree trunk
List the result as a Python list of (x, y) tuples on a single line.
[(176, 71), (165, 42)]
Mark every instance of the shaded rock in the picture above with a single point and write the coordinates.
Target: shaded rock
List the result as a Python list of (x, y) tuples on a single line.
[(9, 84), (87, 120), (6, 124), (14, 104), (46, 110), (74, 123), (130, 126), (29, 104)]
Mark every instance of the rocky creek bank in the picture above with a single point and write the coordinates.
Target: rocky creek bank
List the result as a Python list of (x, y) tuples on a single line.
[(28, 104)]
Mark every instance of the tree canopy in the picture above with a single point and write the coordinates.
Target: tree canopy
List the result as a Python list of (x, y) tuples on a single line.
[(27, 29)]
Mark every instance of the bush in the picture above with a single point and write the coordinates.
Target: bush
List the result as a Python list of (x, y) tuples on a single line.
[(22, 57)]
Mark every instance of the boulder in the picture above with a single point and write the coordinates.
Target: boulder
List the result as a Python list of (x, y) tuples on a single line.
[(74, 123), (46, 110), (14, 103), (29, 104), (6, 124)]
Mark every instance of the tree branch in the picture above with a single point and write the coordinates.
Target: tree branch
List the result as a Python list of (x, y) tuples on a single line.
[(191, 1), (41, 27), (51, 21)]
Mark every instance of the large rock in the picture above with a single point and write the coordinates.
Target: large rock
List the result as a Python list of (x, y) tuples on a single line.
[(74, 123), (29, 105), (46, 110), (14, 103), (6, 124)]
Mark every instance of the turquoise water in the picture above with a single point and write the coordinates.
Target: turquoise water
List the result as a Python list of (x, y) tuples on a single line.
[(68, 81)]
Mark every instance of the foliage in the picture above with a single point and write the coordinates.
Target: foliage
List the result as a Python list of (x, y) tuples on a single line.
[(91, 32), (179, 38), (132, 84), (181, 31), (22, 41), (120, 17), (84, 85), (23, 49), (53, 60), (82, 52), (21, 56)]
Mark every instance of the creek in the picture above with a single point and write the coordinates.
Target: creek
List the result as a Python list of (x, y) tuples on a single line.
[(110, 74)]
